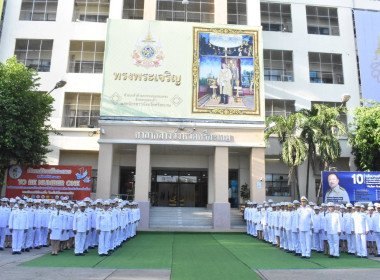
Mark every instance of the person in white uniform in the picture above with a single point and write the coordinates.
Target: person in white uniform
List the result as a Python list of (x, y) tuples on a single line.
[(81, 228), (376, 228), (304, 228), (317, 229), (349, 230), (361, 229), (56, 227), (5, 211), (333, 230), (104, 228), (18, 226)]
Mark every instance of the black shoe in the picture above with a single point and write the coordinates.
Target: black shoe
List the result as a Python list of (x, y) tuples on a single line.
[(364, 257), (330, 256), (1, 249), (358, 256), (77, 254), (44, 245), (22, 250), (377, 255), (81, 254), (37, 248), (85, 251), (27, 250), (303, 257), (336, 257), (14, 253), (307, 257)]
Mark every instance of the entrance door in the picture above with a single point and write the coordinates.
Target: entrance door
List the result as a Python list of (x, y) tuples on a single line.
[(179, 188)]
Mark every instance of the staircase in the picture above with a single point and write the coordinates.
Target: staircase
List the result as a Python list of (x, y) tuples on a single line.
[(188, 219)]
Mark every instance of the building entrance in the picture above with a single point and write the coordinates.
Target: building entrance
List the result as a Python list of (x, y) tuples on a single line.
[(179, 188)]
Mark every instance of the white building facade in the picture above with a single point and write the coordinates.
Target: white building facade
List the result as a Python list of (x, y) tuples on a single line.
[(309, 56)]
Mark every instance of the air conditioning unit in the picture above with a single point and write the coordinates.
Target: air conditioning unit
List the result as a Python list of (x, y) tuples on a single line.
[(286, 78)]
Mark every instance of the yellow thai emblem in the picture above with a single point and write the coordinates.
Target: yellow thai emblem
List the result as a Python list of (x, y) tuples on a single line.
[(148, 52)]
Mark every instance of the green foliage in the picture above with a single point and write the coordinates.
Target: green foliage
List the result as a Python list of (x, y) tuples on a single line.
[(365, 139), (245, 192), (24, 113)]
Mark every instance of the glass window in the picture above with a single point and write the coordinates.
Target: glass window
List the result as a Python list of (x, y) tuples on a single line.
[(278, 65), (326, 68), (237, 12), (35, 54), (277, 185), (279, 107), (86, 57), (193, 11), (322, 20), (133, 9), (91, 10), (38, 10), (276, 17), (81, 110)]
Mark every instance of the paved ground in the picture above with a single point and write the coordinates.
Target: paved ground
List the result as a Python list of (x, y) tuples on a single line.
[(10, 270)]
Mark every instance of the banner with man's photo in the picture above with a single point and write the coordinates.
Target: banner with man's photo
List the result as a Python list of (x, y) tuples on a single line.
[(344, 187)]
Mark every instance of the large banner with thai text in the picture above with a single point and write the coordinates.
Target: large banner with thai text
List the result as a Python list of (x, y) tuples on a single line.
[(344, 187), (176, 70), (49, 182), (368, 41)]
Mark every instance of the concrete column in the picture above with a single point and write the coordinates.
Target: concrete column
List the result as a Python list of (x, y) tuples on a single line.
[(115, 184), (211, 185), (221, 213), (150, 9), (142, 183), (116, 9), (53, 156), (104, 171), (220, 11), (257, 172), (253, 13)]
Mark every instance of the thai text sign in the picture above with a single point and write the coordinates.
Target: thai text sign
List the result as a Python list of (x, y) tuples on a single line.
[(157, 69), (49, 181)]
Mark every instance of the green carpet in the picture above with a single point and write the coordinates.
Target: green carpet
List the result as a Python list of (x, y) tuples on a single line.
[(200, 256)]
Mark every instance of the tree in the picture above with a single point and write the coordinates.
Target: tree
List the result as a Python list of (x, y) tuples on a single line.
[(24, 114), (294, 148), (326, 123), (365, 139)]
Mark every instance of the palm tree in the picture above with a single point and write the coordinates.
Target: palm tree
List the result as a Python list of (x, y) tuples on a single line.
[(321, 132), (294, 148)]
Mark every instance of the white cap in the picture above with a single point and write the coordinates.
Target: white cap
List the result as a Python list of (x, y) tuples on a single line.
[(316, 208), (304, 198), (330, 204)]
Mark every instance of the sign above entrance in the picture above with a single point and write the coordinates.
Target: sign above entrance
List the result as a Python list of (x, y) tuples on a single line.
[(157, 69)]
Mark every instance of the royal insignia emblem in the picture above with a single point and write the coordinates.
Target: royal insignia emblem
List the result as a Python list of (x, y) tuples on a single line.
[(148, 52)]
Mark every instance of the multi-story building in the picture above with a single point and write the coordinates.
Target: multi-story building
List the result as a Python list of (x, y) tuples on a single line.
[(308, 55)]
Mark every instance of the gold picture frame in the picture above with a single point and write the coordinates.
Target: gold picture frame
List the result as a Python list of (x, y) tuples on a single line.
[(206, 91)]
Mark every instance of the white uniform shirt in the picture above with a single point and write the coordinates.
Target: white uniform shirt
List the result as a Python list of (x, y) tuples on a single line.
[(360, 222), (376, 222), (332, 223), (82, 221), (5, 211), (317, 222), (348, 223), (19, 219), (304, 215), (104, 220), (337, 195)]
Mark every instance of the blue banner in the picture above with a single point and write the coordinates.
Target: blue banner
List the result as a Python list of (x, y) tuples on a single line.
[(368, 42), (344, 187)]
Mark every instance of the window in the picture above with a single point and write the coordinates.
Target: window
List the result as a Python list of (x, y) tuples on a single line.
[(86, 57), (34, 54), (343, 116), (322, 20), (279, 107), (277, 185), (194, 11), (133, 9), (91, 10), (81, 110), (237, 12), (276, 17), (38, 10), (278, 65), (326, 68), (94, 180)]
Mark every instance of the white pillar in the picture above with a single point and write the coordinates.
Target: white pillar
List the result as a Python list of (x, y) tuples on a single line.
[(104, 171), (221, 208), (220, 11), (257, 172), (142, 183), (116, 9), (150, 8)]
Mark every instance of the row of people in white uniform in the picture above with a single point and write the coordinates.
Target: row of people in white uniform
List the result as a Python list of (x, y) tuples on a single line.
[(301, 227), (36, 223)]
